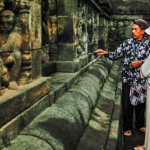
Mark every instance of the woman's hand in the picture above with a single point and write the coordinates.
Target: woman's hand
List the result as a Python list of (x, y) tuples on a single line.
[(101, 52), (136, 64)]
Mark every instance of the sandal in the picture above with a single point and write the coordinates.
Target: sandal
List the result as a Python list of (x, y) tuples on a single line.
[(138, 148), (143, 129), (128, 133)]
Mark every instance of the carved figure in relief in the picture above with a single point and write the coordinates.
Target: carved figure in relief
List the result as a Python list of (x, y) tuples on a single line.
[(10, 44), (121, 32)]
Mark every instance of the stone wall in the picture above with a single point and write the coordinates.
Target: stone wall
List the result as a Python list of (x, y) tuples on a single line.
[(75, 29)]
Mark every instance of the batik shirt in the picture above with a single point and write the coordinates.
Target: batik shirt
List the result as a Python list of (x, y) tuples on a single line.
[(125, 50)]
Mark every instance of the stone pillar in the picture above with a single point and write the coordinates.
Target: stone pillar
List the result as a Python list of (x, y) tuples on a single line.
[(35, 43), (72, 51)]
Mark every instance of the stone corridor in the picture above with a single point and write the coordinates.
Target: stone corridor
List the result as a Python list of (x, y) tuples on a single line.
[(55, 92)]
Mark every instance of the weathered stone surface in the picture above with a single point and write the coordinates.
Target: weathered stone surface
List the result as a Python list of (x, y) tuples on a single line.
[(56, 126), (100, 116), (59, 89), (89, 90), (26, 142), (48, 69), (78, 89), (68, 66), (83, 60), (33, 111), (113, 134), (117, 100), (105, 105), (118, 91), (66, 7), (77, 105), (65, 52), (111, 144), (16, 101), (93, 80), (95, 71), (65, 30), (36, 64), (68, 78), (116, 112), (9, 132), (11, 129), (35, 29), (94, 138)]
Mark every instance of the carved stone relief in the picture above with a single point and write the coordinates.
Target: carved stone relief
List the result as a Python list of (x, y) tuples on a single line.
[(15, 59), (10, 45), (81, 31), (90, 30), (45, 18)]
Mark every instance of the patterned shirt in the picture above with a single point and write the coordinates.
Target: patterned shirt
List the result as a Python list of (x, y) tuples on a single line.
[(125, 50)]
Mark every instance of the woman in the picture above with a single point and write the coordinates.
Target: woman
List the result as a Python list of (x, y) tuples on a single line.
[(145, 73)]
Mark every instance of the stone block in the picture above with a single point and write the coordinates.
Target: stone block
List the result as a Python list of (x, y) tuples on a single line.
[(100, 116), (68, 66), (68, 78), (36, 64), (37, 90), (48, 69), (65, 30), (27, 116), (116, 112), (65, 52), (83, 60), (117, 100), (59, 89), (114, 130), (65, 7), (12, 103), (53, 51), (51, 98), (118, 91), (105, 105), (9, 132), (35, 28)]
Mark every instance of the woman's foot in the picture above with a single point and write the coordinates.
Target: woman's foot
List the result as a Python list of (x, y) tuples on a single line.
[(139, 148), (128, 133)]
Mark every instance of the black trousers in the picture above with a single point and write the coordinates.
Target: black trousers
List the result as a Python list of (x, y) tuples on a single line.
[(128, 110)]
